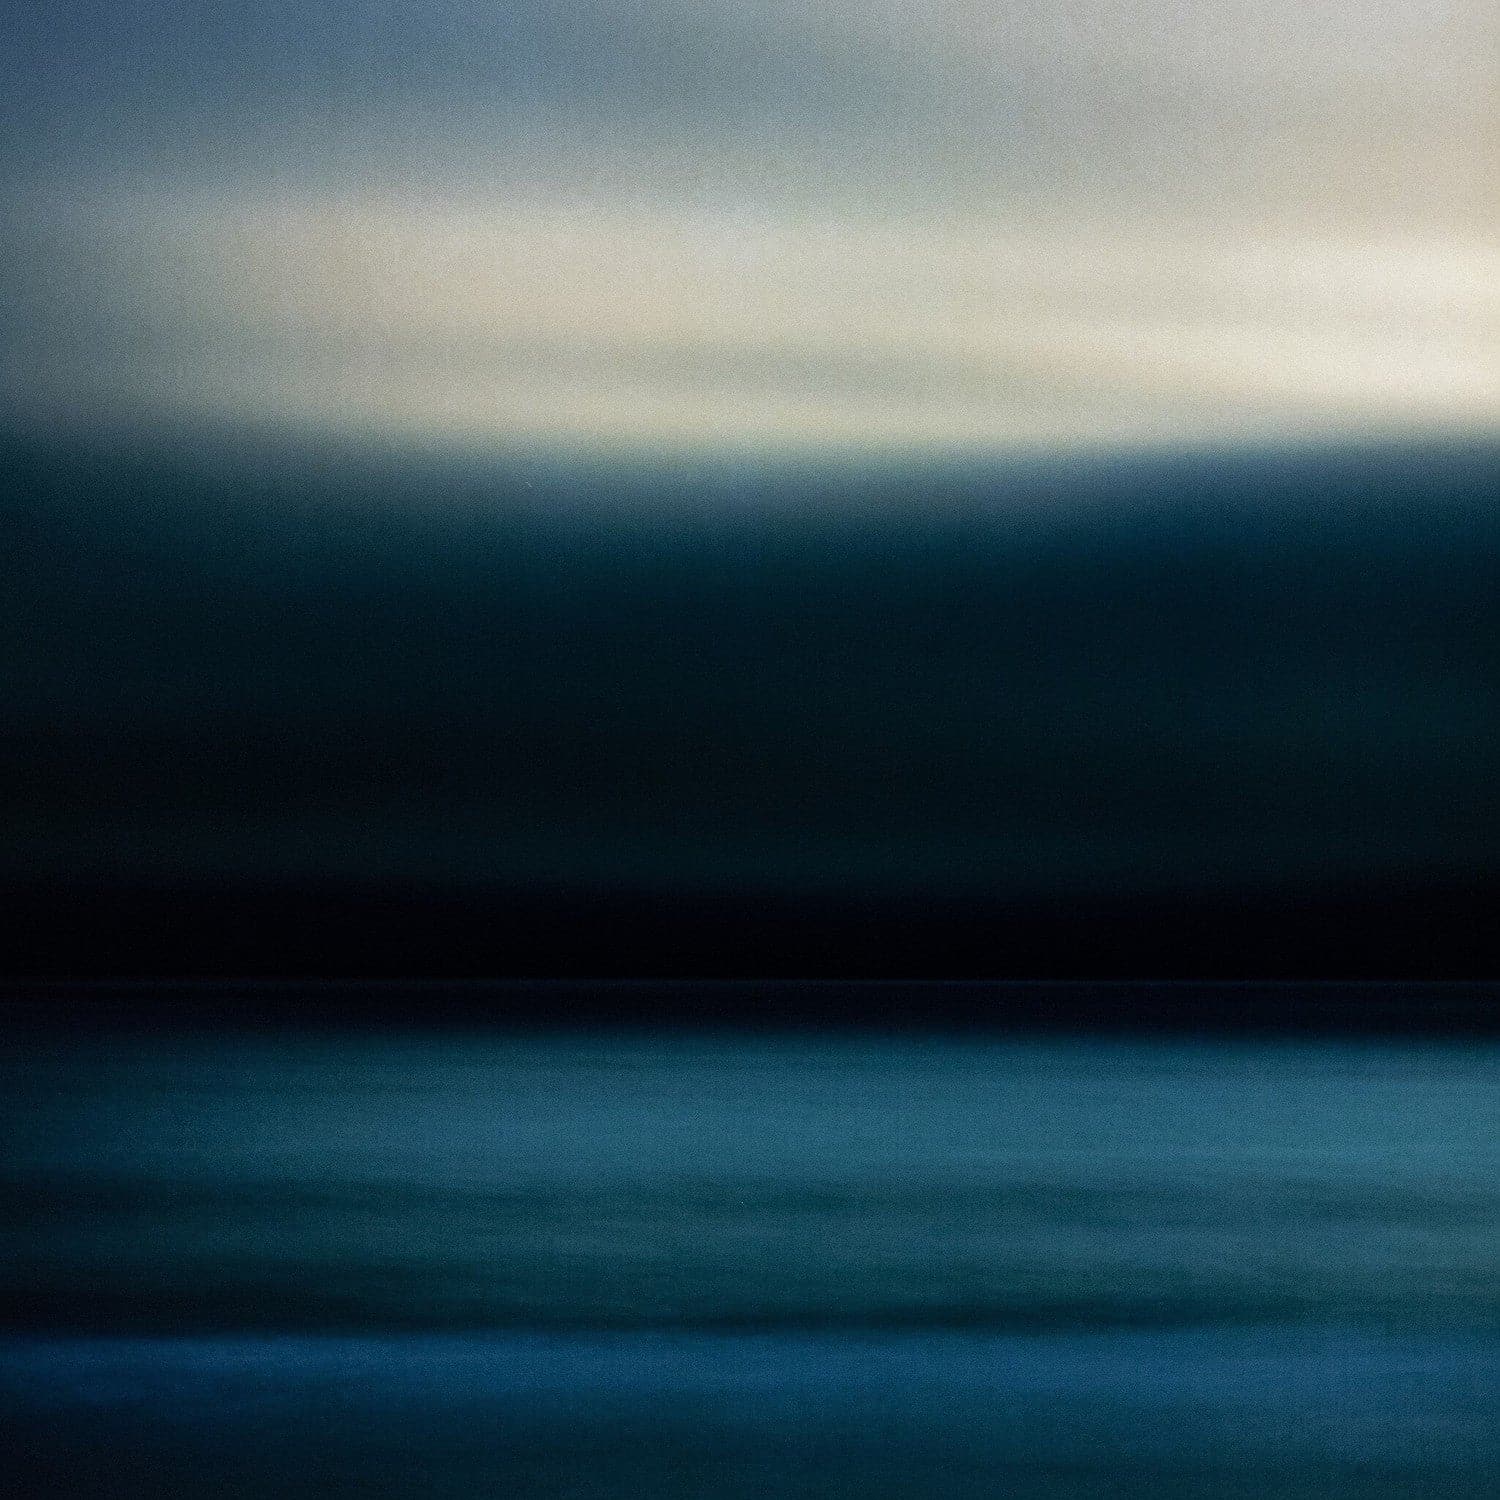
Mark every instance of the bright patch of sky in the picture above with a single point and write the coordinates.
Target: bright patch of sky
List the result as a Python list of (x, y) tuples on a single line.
[(757, 223)]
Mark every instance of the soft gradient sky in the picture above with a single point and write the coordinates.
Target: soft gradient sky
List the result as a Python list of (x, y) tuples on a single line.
[(755, 224)]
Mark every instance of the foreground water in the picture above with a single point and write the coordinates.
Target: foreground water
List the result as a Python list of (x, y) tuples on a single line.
[(715, 1264)]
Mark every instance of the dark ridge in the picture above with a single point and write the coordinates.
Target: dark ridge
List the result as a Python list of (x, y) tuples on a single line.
[(1375, 1010), (1398, 932), (272, 714)]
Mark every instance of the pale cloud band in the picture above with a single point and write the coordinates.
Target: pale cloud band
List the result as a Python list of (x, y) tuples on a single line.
[(755, 225), (543, 323)]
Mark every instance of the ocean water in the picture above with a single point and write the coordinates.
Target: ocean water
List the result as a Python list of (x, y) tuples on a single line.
[(467, 1262)]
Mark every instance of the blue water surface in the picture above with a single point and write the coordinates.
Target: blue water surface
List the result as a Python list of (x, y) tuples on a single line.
[(441, 1262)]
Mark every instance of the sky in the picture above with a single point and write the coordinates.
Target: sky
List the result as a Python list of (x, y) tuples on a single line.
[(738, 486), (754, 226)]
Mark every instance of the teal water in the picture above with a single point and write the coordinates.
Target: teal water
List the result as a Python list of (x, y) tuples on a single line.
[(455, 1263)]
